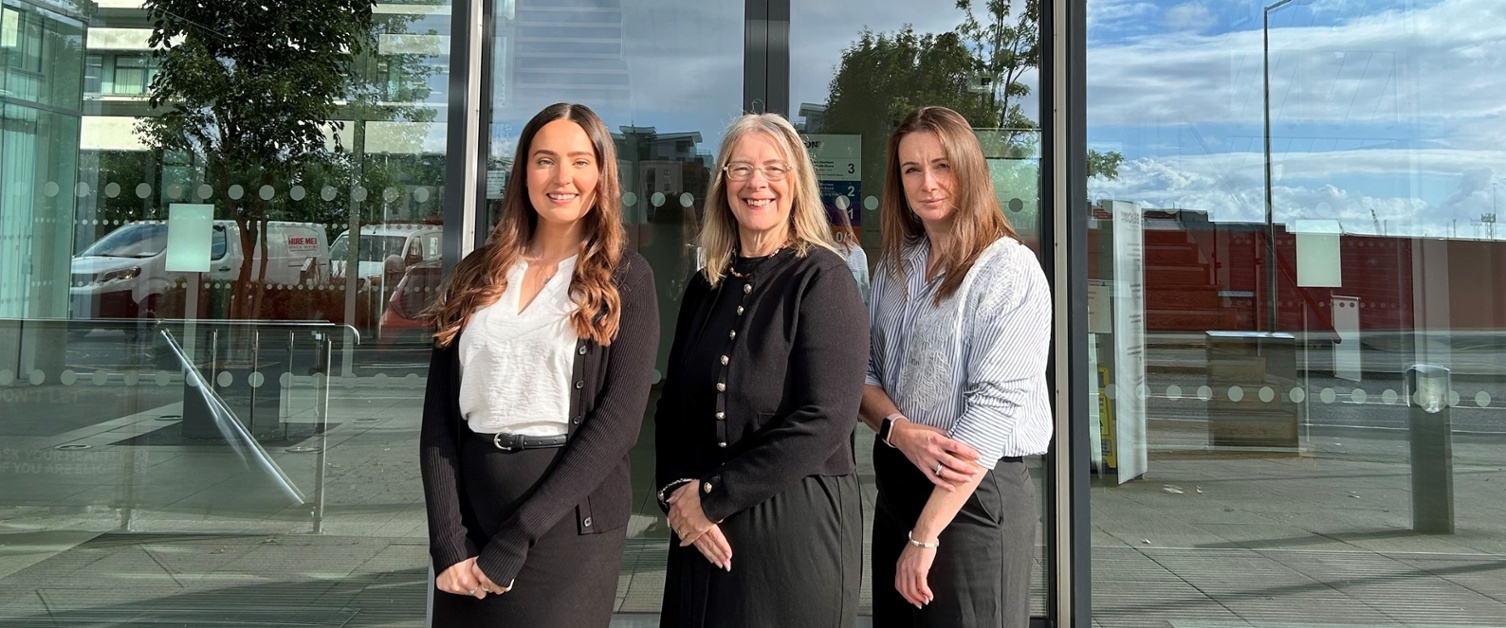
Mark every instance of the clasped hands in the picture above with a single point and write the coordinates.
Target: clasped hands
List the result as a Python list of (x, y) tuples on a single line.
[(946, 462), (689, 522), (465, 578)]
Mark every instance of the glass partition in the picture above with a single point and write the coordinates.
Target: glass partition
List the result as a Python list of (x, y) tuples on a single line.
[(1296, 313), (852, 82), (666, 82), (212, 258)]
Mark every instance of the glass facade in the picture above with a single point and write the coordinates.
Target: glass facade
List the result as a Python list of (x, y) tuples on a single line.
[(1295, 313), (850, 88), (213, 256)]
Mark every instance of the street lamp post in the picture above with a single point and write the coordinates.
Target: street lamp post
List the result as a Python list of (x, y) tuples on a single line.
[(1270, 218)]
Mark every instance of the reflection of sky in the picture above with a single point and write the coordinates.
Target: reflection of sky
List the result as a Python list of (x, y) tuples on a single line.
[(1380, 117), (682, 63)]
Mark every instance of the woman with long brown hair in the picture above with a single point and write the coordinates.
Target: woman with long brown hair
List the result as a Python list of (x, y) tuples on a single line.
[(541, 370), (753, 433), (960, 314)]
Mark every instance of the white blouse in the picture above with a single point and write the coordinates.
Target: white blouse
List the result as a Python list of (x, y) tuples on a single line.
[(515, 367)]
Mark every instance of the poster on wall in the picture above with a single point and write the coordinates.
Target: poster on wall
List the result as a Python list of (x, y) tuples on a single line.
[(838, 160), (1129, 390)]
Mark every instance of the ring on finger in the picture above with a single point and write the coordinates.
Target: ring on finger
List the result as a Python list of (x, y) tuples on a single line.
[(938, 468)]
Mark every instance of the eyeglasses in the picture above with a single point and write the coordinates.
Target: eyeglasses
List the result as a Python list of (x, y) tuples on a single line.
[(742, 171)]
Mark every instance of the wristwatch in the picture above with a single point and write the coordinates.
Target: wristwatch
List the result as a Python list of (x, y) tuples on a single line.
[(886, 428)]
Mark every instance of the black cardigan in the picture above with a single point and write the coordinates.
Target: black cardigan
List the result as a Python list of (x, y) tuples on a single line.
[(590, 476), (794, 380)]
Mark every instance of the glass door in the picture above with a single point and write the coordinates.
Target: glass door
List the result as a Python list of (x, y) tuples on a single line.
[(858, 67), (666, 78)]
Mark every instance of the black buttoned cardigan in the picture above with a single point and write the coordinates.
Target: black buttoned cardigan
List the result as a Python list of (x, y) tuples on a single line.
[(793, 381), (590, 480)]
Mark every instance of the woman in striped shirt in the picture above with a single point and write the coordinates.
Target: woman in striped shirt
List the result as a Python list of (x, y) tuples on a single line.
[(956, 389)]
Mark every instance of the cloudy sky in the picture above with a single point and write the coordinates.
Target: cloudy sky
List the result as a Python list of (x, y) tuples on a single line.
[(1386, 114), (1383, 106)]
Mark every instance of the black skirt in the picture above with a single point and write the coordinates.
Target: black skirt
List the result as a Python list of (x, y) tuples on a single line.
[(981, 575), (796, 563), (568, 580)]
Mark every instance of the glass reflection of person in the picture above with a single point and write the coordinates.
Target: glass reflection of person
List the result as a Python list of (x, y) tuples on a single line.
[(540, 377), (754, 430), (961, 321)]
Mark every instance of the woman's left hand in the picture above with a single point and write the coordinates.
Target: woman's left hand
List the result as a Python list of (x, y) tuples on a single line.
[(685, 515), (486, 583), (911, 573)]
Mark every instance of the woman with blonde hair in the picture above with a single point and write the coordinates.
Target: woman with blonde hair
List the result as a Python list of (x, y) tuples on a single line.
[(961, 319), (537, 388), (753, 432)]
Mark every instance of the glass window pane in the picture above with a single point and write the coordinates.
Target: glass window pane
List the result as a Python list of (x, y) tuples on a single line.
[(263, 398), (630, 63), (853, 81), (1295, 312)]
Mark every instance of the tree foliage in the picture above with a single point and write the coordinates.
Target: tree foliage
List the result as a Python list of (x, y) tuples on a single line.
[(884, 76), (976, 69), (1006, 46), (254, 94)]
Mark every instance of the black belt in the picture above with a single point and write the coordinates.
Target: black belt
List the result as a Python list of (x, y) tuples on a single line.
[(518, 442), (1012, 459)]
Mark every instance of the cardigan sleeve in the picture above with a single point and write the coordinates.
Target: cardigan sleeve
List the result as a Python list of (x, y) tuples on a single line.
[(602, 439), (828, 360), (670, 463), (439, 461)]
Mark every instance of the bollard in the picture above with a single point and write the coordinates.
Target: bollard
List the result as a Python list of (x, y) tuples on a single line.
[(1432, 463)]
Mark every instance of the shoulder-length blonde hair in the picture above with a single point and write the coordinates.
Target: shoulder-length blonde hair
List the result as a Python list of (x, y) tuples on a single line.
[(480, 278), (978, 220), (808, 224)]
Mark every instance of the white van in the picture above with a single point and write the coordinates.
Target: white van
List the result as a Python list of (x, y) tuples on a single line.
[(125, 273), (387, 250)]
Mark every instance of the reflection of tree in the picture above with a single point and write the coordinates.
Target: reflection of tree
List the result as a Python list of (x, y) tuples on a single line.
[(885, 76), (1007, 46), (254, 93)]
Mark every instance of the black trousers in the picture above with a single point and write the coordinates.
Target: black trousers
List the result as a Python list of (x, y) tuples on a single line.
[(569, 579), (981, 575)]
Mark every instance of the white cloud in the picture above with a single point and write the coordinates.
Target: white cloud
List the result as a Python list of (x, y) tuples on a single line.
[(1106, 15), (1230, 187), (1390, 68), (1190, 16), (1388, 113)]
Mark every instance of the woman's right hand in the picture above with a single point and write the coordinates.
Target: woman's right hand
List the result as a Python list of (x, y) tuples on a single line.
[(458, 579), (714, 546), (944, 461)]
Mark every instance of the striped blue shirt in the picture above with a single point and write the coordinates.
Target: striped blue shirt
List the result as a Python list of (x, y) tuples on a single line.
[(974, 366)]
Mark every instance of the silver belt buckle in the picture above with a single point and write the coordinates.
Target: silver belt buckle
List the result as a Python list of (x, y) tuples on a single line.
[(497, 440)]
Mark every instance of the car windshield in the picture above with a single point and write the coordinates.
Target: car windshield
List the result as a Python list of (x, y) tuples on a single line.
[(134, 240), (374, 248)]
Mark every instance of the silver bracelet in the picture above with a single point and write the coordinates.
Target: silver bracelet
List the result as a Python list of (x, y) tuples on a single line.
[(664, 499), (922, 544)]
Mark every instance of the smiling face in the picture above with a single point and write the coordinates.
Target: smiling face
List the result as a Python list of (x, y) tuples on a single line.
[(929, 180), (562, 172), (761, 206)]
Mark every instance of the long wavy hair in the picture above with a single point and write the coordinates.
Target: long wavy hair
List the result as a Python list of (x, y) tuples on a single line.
[(808, 224), (480, 279), (978, 220)]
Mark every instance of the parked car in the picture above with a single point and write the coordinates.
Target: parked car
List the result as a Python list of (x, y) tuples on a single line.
[(402, 319), (124, 274), (386, 250)]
